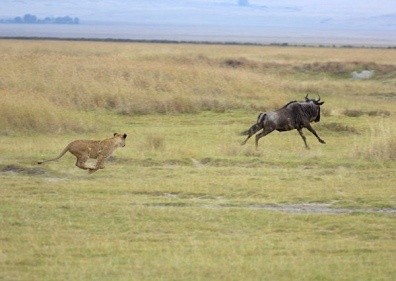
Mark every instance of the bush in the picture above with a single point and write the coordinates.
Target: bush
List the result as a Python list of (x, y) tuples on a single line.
[(353, 112), (338, 127), (155, 142)]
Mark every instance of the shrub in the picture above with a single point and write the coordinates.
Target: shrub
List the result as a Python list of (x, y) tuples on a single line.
[(358, 113), (155, 142), (353, 112), (338, 127)]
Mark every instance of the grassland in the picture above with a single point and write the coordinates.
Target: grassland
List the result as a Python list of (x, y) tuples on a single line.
[(183, 200)]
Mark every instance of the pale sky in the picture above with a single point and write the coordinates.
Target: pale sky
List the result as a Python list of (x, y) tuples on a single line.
[(338, 20)]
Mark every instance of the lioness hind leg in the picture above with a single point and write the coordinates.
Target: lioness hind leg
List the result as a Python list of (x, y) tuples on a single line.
[(81, 163)]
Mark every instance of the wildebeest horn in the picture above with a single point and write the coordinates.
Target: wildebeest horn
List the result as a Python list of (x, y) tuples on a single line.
[(306, 98), (318, 99)]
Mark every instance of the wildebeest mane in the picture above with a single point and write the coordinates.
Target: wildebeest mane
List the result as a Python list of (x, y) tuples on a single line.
[(290, 102)]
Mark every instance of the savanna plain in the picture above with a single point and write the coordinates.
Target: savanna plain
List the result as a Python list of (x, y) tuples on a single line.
[(183, 200)]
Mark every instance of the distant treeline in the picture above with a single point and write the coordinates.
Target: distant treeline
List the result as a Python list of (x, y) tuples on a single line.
[(32, 19)]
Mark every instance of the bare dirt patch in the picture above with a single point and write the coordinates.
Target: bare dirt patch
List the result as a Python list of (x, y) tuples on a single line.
[(320, 208), (303, 208), (17, 169)]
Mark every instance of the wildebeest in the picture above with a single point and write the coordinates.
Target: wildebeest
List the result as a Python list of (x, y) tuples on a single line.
[(294, 115)]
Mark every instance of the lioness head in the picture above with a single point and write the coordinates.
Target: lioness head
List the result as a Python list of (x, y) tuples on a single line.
[(120, 139)]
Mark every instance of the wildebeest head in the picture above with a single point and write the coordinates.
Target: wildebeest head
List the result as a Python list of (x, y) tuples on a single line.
[(314, 108), (317, 102)]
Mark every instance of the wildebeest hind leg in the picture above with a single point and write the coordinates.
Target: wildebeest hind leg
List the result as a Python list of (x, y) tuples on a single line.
[(244, 142), (265, 132), (248, 137)]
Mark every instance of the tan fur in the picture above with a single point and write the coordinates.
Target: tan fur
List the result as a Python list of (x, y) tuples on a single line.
[(85, 149)]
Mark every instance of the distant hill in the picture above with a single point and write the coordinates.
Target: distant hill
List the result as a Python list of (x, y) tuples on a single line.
[(32, 19)]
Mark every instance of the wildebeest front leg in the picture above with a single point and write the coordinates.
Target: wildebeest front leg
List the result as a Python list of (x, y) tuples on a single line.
[(303, 137), (315, 134)]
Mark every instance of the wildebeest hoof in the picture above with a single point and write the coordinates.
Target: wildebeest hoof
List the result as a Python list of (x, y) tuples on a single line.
[(322, 141)]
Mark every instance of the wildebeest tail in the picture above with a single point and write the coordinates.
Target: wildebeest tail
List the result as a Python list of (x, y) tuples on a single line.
[(256, 127), (260, 117), (252, 130)]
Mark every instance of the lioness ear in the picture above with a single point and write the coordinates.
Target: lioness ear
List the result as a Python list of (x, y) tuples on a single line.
[(115, 134), (125, 135)]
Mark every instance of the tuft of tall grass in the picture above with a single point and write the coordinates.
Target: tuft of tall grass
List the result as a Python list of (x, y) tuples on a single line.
[(359, 112), (339, 127), (154, 142), (381, 145)]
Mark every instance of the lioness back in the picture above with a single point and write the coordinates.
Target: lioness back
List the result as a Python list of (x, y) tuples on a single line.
[(90, 148)]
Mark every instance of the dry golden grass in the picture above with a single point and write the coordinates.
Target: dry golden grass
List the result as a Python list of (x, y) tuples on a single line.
[(161, 78)]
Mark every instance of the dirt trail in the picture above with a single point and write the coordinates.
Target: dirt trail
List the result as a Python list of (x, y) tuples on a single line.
[(322, 208), (311, 208)]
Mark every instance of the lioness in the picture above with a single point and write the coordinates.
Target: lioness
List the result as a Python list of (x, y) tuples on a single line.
[(85, 149)]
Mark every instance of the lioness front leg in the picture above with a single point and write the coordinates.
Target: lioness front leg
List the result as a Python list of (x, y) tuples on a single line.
[(99, 164)]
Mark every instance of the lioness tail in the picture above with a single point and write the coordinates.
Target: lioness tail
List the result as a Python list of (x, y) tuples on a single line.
[(56, 158)]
